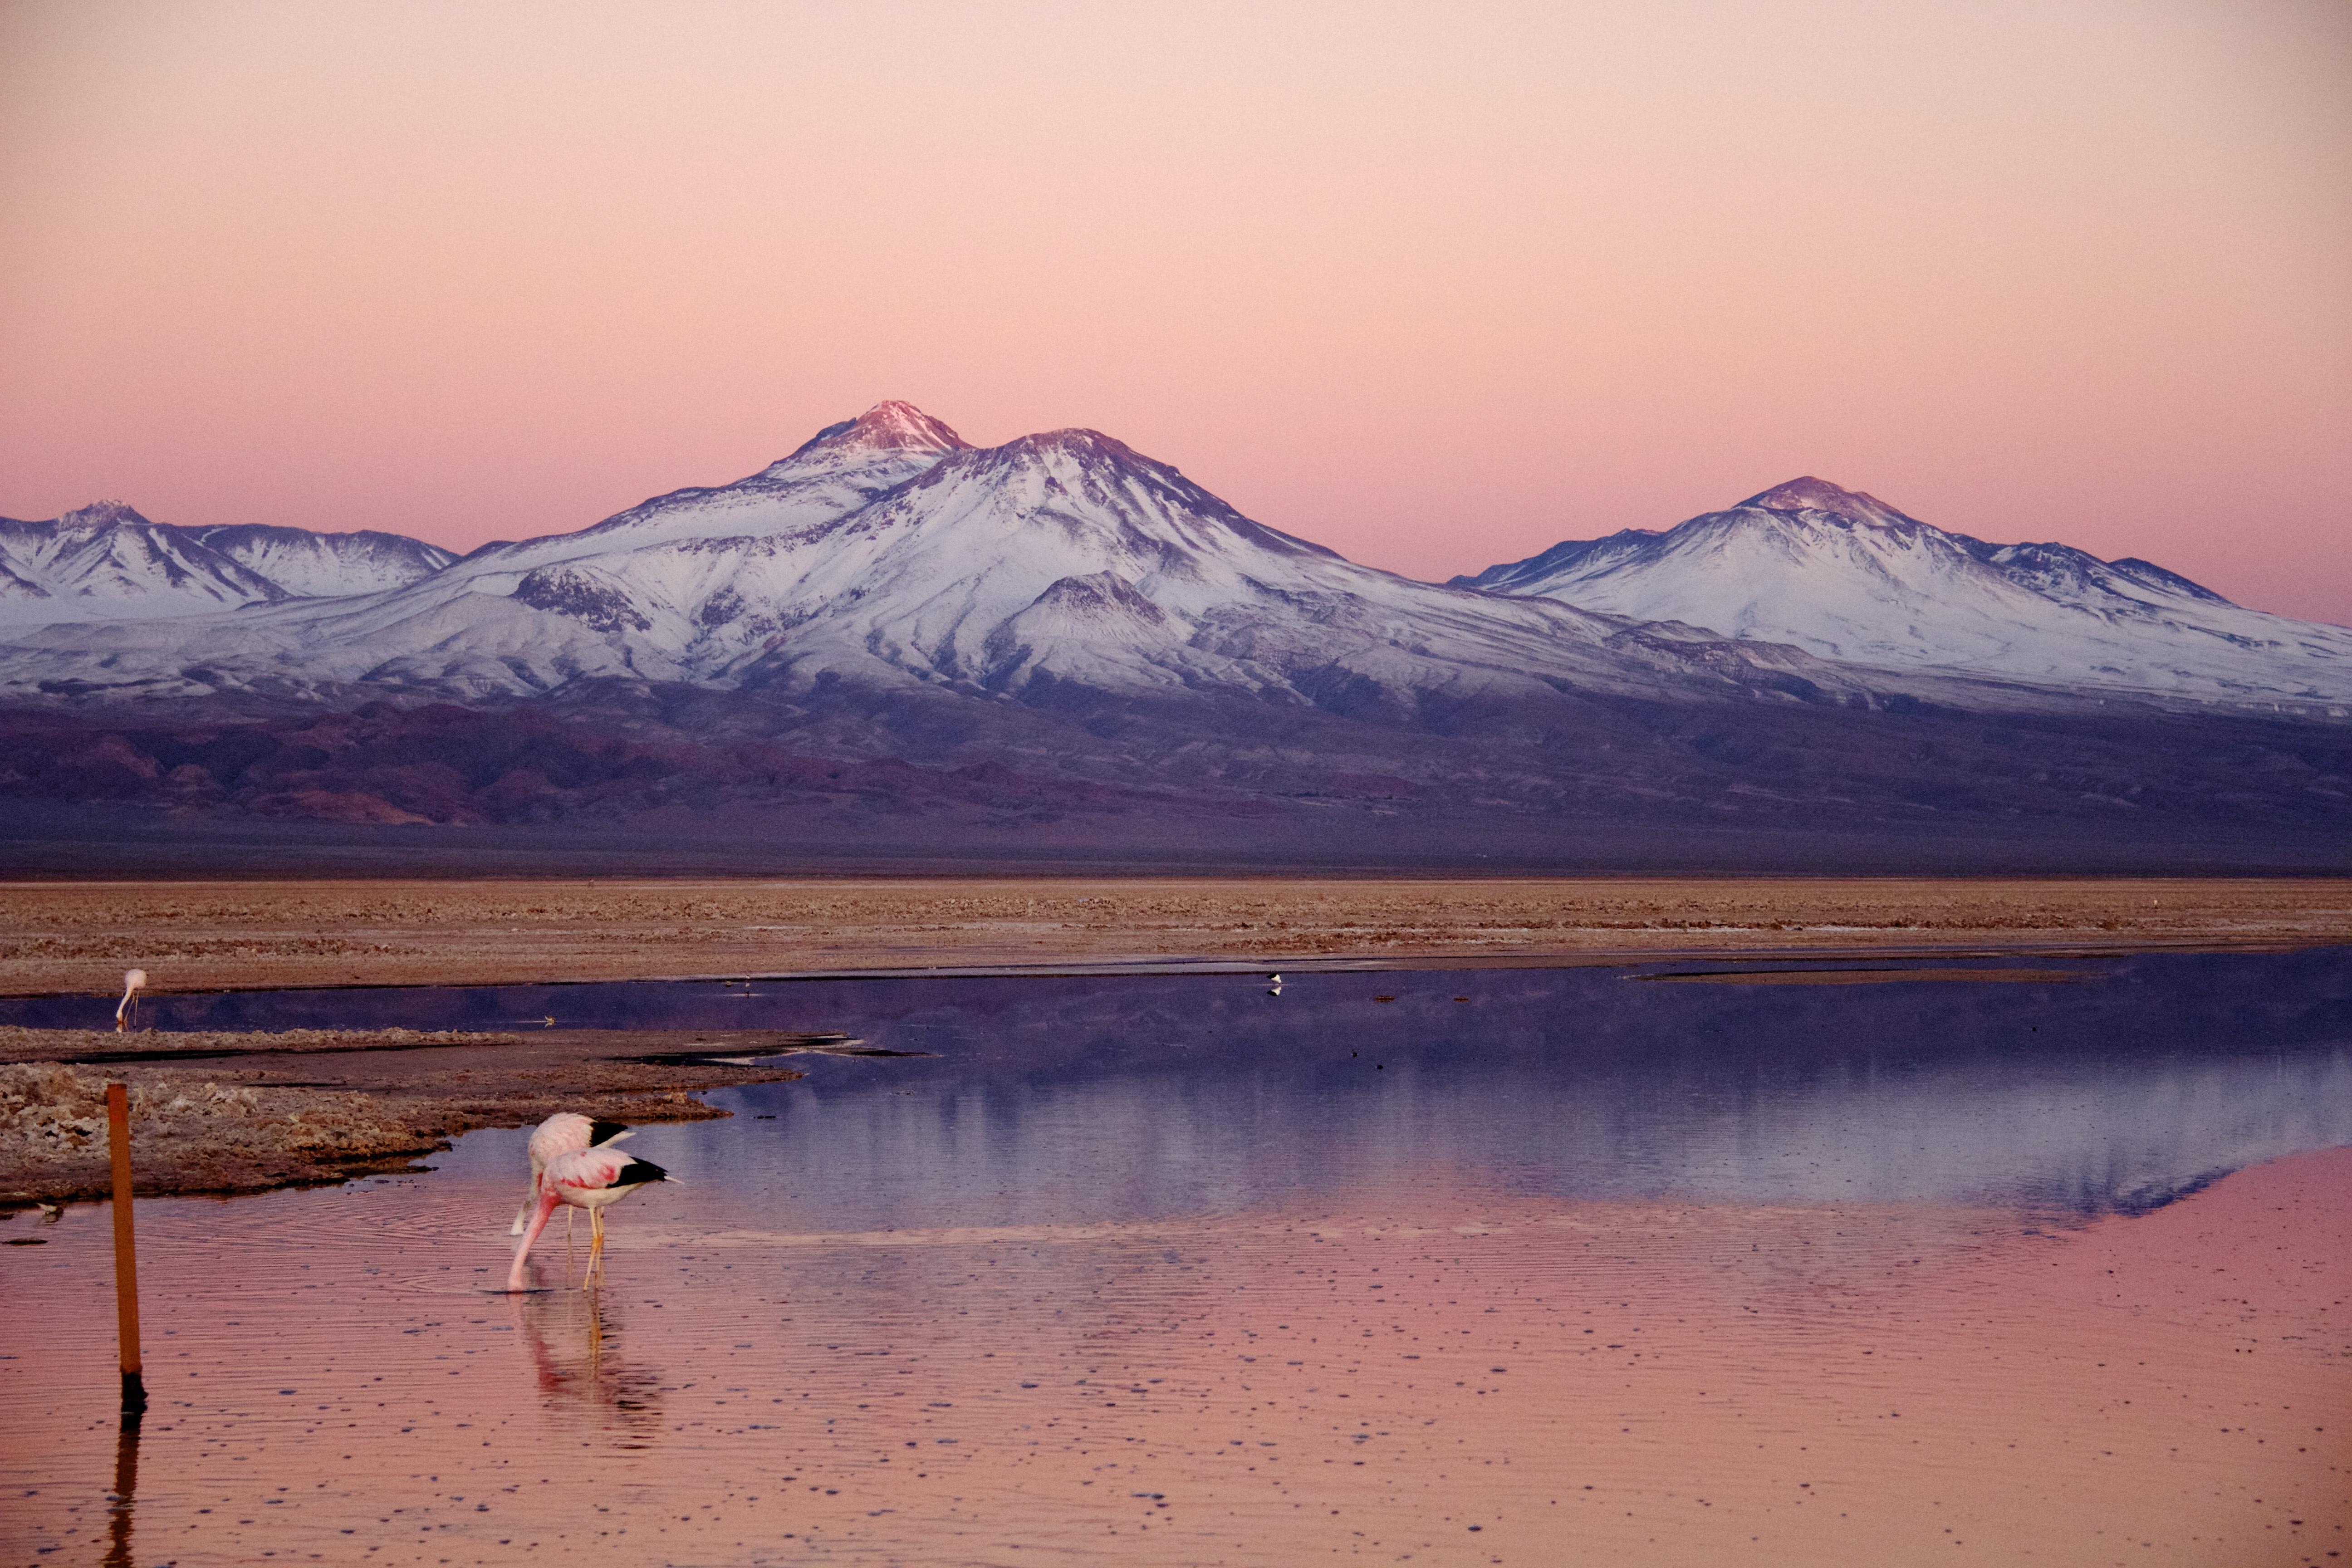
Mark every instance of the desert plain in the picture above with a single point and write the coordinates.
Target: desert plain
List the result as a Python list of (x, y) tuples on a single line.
[(58, 938)]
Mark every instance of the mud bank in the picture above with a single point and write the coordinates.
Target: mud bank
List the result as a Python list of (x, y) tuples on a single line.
[(217, 1112)]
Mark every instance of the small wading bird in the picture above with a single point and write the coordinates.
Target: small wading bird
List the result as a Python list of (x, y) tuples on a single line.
[(132, 979), (591, 1179), (565, 1132)]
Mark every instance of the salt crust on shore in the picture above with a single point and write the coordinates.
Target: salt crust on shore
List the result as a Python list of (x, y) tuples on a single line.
[(365, 1100), (53, 1137)]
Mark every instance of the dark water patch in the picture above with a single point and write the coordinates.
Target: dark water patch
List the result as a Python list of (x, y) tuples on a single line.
[(1886, 975), (838, 1046), (2147, 1200)]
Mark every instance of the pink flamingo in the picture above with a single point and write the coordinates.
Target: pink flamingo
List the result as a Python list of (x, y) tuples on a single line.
[(591, 1179), (132, 979), (565, 1132)]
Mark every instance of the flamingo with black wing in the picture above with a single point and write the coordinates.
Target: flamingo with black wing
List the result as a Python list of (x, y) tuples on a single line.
[(565, 1132), (591, 1179)]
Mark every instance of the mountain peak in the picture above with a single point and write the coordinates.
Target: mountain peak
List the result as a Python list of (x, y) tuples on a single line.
[(1807, 493), (102, 514), (888, 426), (1079, 443)]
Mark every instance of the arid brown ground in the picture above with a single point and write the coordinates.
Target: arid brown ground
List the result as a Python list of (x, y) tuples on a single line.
[(193, 936)]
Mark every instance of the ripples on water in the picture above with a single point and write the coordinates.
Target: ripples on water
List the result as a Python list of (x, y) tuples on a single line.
[(1170, 1269)]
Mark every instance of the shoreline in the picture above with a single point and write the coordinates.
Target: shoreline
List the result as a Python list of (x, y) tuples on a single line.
[(222, 1114), (1345, 963)]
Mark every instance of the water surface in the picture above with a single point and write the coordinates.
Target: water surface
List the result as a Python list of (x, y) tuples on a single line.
[(1495, 1265)]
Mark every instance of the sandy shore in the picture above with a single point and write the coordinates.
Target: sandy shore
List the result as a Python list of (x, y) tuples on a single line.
[(63, 938), (244, 1113)]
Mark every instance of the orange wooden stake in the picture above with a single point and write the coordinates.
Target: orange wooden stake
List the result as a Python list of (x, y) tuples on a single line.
[(126, 1257)]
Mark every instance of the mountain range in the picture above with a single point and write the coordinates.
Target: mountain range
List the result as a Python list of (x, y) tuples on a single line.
[(888, 552), (892, 620)]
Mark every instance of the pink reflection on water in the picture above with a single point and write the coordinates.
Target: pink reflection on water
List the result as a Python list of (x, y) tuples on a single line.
[(1437, 1369)]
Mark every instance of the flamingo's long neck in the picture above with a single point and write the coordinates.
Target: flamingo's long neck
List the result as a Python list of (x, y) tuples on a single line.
[(548, 1198)]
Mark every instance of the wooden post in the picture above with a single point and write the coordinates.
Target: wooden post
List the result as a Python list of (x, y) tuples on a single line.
[(126, 1257)]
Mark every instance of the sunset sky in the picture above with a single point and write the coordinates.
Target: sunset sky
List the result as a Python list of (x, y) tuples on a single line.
[(1435, 285)]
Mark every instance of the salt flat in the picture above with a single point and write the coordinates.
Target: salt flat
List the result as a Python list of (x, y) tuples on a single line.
[(60, 936)]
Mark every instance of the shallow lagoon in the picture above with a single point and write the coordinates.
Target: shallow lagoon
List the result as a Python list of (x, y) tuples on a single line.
[(1598, 1264)]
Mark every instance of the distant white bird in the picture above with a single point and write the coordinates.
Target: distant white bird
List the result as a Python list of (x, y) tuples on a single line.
[(591, 1179), (1274, 989), (565, 1132), (132, 979)]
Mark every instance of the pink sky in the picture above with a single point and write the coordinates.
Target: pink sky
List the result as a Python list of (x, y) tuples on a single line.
[(1437, 286)]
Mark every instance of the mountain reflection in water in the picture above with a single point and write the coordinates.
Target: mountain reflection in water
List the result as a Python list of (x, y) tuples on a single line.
[(1059, 1099)]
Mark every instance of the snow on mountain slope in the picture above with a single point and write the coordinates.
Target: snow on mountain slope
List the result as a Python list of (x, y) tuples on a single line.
[(839, 469), (1845, 576), (322, 565), (106, 562), (889, 553)]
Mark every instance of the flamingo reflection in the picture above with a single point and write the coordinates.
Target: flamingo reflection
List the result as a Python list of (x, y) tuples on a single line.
[(574, 1343)]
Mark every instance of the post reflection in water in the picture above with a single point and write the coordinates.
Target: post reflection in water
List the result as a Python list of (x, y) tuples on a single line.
[(126, 1487)]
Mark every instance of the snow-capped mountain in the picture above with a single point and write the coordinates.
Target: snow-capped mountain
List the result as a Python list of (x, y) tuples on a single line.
[(887, 553), (1847, 577), (106, 562)]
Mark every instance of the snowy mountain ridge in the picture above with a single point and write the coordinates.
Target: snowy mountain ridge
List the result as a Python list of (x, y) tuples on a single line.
[(888, 554), (1844, 577), (106, 561)]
